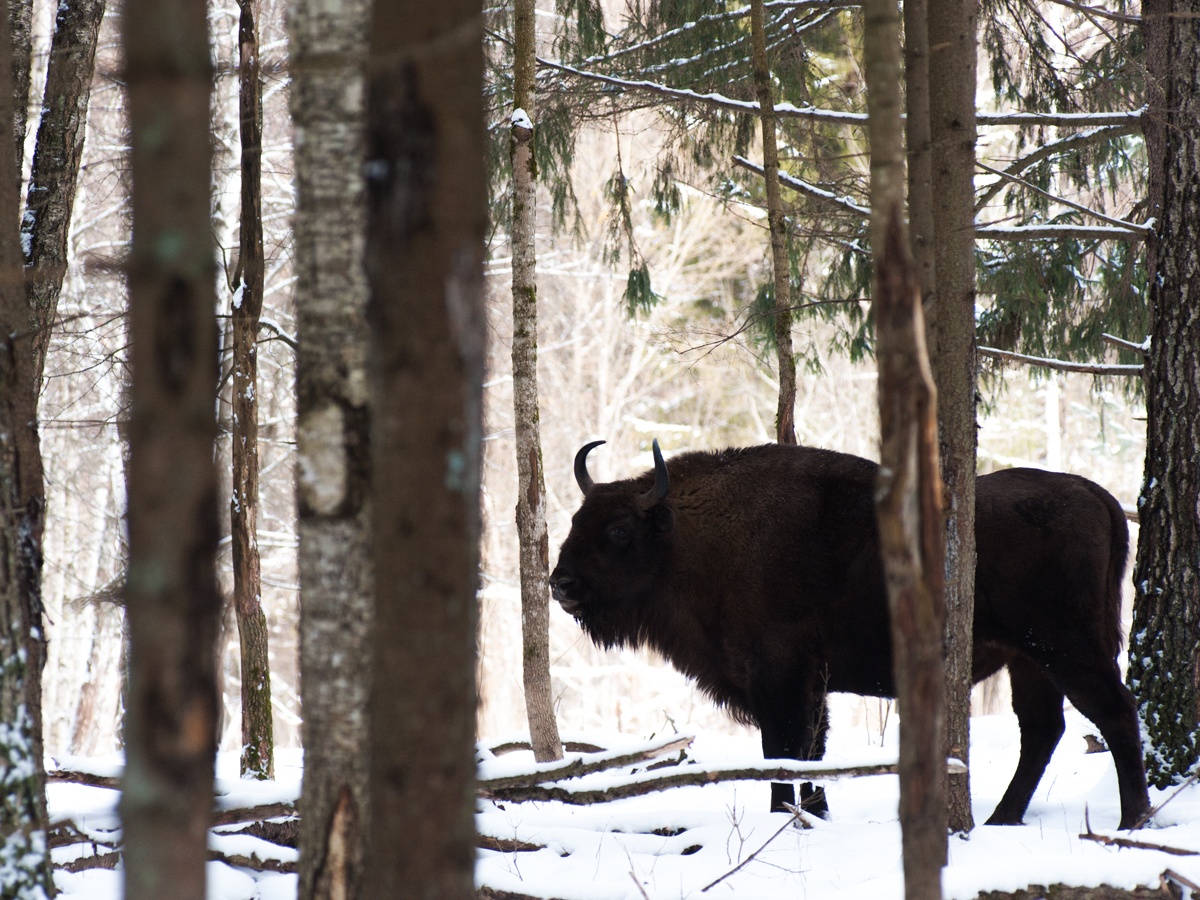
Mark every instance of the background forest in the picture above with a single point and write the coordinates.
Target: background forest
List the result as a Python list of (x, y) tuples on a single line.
[(688, 372), (683, 281)]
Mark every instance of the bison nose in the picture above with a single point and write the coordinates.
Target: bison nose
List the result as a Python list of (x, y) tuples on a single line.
[(561, 585)]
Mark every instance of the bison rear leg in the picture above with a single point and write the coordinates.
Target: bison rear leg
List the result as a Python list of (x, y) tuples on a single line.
[(1098, 693), (1038, 703)]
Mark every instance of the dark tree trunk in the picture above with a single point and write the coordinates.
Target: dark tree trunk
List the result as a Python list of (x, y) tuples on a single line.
[(426, 202), (23, 821), (328, 50), (785, 414), (952, 131), (908, 501), (258, 736), (531, 482), (20, 29), (172, 599), (1164, 654), (50, 198)]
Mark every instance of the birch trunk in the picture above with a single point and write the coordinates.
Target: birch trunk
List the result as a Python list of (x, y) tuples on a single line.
[(785, 416), (328, 47), (23, 820), (531, 482), (172, 598)]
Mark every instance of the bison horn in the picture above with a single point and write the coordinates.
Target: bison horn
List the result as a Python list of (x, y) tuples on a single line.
[(582, 477), (662, 482)]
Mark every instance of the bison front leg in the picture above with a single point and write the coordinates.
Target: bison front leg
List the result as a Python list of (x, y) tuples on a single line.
[(796, 733)]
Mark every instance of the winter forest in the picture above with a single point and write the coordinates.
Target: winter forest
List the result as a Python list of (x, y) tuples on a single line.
[(312, 304)]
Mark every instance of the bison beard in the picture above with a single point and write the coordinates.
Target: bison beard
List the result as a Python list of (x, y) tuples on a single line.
[(757, 573)]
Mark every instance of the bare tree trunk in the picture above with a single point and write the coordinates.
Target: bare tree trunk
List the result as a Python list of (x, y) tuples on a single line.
[(919, 156), (23, 820), (328, 48), (258, 737), (426, 203), (50, 197), (20, 29), (952, 128), (171, 594), (785, 416), (908, 502), (1164, 654), (531, 483)]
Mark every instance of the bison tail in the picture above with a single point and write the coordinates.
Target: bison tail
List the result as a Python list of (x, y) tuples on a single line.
[(1118, 556)]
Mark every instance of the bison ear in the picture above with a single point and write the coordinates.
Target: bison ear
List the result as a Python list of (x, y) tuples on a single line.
[(662, 483)]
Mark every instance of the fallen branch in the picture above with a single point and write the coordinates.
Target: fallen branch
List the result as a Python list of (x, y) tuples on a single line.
[(88, 779), (253, 813), (283, 866), (83, 863), (505, 845), (575, 768), (649, 783), (1111, 841), (796, 816)]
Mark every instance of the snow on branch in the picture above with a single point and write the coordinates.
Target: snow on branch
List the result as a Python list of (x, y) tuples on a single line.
[(809, 190), (1062, 145), (1145, 230), (1058, 232), (1061, 365)]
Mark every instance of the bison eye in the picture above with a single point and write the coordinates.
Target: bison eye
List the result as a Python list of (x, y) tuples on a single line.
[(620, 534)]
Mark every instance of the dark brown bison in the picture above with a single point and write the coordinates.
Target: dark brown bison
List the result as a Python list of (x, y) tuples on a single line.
[(756, 572)]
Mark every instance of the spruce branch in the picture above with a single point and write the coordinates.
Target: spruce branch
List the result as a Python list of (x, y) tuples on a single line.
[(1146, 230)]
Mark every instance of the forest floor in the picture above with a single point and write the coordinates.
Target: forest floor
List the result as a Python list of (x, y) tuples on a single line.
[(690, 841)]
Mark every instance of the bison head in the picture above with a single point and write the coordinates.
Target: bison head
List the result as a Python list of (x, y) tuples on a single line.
[(617, 550)]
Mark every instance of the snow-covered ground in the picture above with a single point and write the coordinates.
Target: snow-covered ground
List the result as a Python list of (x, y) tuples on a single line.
[(612, 851)]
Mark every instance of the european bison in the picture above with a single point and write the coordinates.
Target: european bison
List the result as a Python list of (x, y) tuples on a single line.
[(756, 572)]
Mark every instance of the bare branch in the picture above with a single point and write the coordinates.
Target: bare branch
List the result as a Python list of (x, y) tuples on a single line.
[(1146, 230), (1061, 365), (1143, 348), (1053, 148), (1100, 13), (803, 187)]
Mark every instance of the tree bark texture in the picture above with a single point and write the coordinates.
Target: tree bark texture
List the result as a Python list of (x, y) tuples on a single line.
[(1164, 652), (785, 416), (952, 26), (50, 197), (531, 482), (172, 599), (23, 820), (908, 501), (919, 158), (328, 47), (426, 203), (20, 30), (258, 731)]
